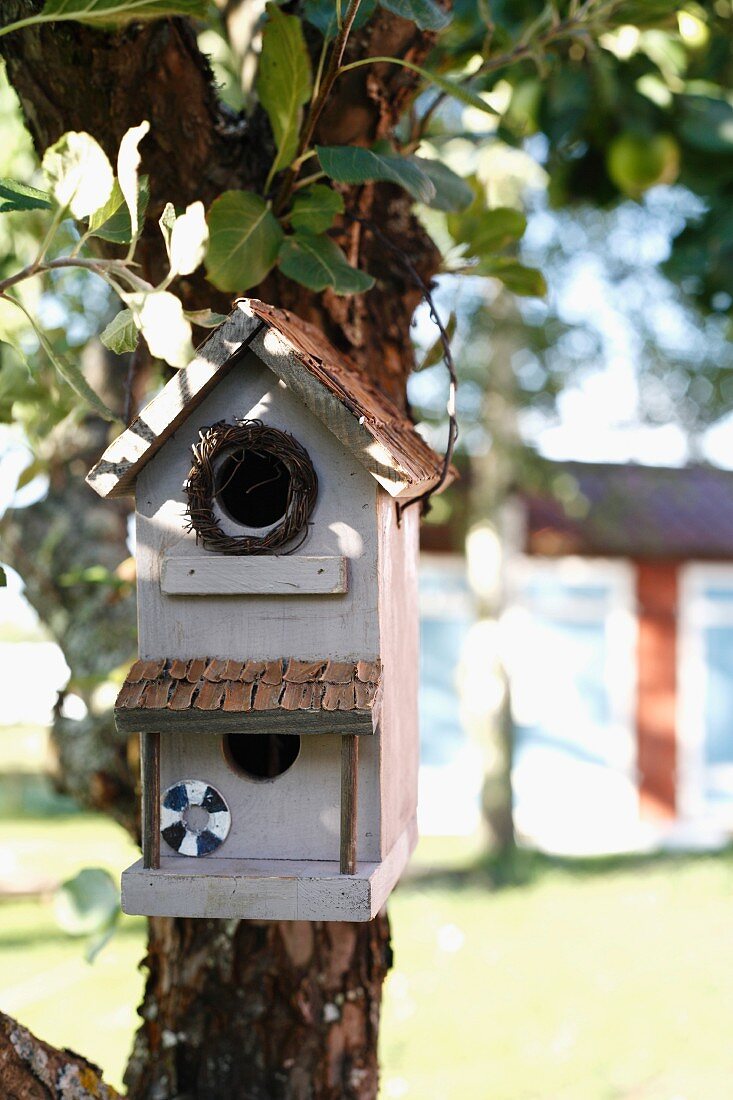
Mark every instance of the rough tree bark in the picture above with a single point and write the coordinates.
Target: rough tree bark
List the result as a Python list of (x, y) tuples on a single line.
[(240, 1009), (32, 1070)]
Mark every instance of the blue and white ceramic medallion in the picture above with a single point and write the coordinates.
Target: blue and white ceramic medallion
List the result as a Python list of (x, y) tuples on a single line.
[(194, 818)]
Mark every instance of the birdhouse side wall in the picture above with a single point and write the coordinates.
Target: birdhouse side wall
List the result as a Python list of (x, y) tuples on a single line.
[(343, 525), (400, 643)]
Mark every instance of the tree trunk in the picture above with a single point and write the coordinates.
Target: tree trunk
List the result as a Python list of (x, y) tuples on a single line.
[(241, 1009), (493, 477)]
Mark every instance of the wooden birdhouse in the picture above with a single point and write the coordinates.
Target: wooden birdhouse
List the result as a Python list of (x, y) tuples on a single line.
[(276, 689)]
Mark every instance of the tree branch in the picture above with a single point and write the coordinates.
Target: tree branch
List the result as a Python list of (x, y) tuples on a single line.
[(33, 1070)]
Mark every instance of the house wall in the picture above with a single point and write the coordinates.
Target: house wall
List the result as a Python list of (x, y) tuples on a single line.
[(656, 690), (295, 815)]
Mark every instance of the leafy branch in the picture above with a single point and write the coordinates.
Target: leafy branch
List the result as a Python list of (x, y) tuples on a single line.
[(332, 72), (537, 39), (106, 12), (82, 186)]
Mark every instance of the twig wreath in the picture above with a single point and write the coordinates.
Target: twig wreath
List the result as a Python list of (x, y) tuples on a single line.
[(237, 441)]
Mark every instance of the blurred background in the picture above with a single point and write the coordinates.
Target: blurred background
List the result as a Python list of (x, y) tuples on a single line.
[(564, 928)]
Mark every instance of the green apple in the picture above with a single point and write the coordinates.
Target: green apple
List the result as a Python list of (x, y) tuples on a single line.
[(636, 163)]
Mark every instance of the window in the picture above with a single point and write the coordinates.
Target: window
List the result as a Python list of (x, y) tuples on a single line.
[(705, 766), (569, 637)]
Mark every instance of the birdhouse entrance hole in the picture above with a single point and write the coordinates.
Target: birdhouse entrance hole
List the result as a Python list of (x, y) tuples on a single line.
[(252, 488), (257, 476), (261, 755)]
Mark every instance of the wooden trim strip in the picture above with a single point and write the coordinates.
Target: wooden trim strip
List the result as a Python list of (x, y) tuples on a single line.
[(309, 722), (349, 800), (221, 575), (150, 782)]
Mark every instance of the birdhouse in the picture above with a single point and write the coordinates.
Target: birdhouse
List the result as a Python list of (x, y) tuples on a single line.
[(276, 689)]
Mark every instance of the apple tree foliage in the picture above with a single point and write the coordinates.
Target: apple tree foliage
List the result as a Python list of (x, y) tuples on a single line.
[(626, 94)]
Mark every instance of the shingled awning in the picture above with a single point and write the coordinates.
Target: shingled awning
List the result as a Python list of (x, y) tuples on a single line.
[(285, 695)]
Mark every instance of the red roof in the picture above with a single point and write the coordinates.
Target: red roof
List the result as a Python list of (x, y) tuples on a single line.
[(630, 511)]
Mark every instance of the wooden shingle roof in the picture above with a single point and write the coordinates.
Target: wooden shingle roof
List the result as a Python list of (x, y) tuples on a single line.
[(335, 389), (222, 696)]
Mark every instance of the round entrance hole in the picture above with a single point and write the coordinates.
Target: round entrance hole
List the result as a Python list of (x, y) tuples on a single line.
[(253, 488), (261, 755)]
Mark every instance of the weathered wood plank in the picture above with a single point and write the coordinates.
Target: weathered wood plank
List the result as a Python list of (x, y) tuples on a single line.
[(400, 642), (257, 575), (349, 803), (265, 889), (150, 782), (221, 721), (115, 473)]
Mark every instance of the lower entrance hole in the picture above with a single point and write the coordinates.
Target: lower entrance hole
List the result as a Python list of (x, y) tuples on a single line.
[(261, 755)]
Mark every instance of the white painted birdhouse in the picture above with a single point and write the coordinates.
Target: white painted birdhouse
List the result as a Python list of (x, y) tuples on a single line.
[(276, 689)]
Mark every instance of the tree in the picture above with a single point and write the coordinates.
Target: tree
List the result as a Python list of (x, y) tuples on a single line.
[(312, 192)]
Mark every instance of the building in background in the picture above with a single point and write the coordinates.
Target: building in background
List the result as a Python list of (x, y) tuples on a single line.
[(619, 644)]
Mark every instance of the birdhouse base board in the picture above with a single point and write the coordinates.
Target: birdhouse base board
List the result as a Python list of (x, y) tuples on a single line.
[(264, 889)]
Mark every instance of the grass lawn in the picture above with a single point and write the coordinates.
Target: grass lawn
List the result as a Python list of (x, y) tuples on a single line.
[(553, 982)]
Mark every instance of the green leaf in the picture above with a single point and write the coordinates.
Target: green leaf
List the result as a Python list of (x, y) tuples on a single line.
[(318, 262), (204, 318), (351, 164), (121, 334), (322, 15), (21, 196), (106, 12), (112, 221), (315, 208), (483, 231), (188, 240), (72, 375), (425, 13), (69, 371), (284, 82), (78, 173), (706, 123), (128, 162), (527, 281), (244, 239), (10, 339), (166, 221), (159, 316), (3, 578), (451, 192), (450, 87), (88, 903)]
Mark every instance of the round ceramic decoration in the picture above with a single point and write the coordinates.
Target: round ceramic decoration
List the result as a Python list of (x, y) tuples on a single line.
[(194, 818)]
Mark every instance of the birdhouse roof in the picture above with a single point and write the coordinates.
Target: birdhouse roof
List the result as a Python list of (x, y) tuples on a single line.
[(329, 696), (334, 388)]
